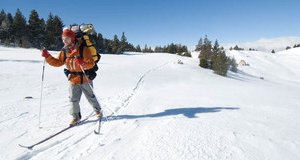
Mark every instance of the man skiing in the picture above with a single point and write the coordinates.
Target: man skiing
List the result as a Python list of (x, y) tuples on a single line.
[(77, 58)]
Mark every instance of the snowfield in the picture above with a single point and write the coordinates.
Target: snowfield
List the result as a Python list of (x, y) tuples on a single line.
[(163, 110)]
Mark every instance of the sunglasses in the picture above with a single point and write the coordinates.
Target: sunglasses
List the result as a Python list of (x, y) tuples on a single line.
[(67, 39)]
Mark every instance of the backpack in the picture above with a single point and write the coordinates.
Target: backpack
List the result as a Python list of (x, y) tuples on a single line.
[(84, 32)]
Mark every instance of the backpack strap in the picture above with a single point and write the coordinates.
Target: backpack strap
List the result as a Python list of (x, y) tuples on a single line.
[(81, 51), (65, 53)]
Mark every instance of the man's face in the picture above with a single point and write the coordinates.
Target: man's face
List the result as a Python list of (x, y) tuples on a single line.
[(67, 41)]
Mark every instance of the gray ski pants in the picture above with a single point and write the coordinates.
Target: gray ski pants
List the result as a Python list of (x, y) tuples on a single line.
[(75, 92)]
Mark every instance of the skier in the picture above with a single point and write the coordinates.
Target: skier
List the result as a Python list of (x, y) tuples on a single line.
[(75, 65)]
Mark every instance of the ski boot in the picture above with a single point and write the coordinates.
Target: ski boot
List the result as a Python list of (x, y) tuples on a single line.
[(76, 119), (99, 114)]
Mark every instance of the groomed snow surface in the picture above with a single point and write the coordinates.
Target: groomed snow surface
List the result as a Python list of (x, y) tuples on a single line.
[(163, 110)]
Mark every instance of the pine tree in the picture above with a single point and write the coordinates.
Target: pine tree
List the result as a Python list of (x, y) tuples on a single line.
[(54, 28), (130, 47), (205, 53), (236, 47), (100, 43), (198, 46), (2, 27), (6, 29), (138, 48), (220, 64), (216, 48), (108, 46), (116, 45), (2, 16), (203, 63), (233, 65), (273, 51), (36, 32), (172, 48), (19, 29), (58, 29), (124, 44), (145, 49)]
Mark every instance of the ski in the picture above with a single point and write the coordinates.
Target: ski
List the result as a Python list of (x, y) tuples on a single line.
[(46, 139), (55, 134)]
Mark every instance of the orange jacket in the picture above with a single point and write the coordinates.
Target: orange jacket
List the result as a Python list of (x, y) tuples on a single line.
[(71, 65)]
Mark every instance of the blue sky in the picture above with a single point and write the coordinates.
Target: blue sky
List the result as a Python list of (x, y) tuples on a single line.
[(160, 22)]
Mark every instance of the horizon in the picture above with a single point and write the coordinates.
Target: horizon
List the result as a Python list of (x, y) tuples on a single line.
[(158, 23)]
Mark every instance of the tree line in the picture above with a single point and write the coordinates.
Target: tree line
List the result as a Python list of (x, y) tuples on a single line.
[(170, 48), (37, 33)]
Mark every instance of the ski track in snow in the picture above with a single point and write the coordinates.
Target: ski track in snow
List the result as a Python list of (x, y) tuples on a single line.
[(20, 115), (177, 128), (138, 84)]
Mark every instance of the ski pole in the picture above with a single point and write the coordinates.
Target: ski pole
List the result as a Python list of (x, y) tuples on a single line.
[(42, 86), (93, 88)]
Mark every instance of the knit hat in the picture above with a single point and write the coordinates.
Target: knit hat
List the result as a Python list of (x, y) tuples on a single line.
[(69, 33)]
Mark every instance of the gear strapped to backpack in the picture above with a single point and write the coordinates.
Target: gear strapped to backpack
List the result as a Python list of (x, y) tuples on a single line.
[(84, 32)]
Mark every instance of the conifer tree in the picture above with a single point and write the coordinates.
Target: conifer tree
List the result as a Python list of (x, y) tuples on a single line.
[(36, 32), (172, 48), (220, 64), (2, 27), (216, 48), (7, 30), (158, 49), (273, 51), (130, 47), (198, 46), (57, 31), (123, 43), (100, 43), (2, 16), (205, 53), (145, 49), (233, 65), (236, 47), (107, 46), (19, 29), (49, 41), (138, 48), (115, 45), (53, 32)]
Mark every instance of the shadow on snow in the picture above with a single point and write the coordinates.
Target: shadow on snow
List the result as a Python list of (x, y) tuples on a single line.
[(187, 112)]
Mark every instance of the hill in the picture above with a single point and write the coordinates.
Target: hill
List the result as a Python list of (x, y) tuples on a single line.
[(163, 110), (267, 44)]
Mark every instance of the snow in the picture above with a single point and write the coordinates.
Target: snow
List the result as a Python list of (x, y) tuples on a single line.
[(163, 110), (268, 44)]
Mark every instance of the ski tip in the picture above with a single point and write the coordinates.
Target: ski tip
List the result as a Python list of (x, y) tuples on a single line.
[(96, 132), (28, 147)]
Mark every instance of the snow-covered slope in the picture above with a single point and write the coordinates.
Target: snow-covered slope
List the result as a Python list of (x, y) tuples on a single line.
[(164, 110), (267, 44), (282, 66)]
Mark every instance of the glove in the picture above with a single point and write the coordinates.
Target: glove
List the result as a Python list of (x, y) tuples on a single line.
[(45, 53), (79, 62)]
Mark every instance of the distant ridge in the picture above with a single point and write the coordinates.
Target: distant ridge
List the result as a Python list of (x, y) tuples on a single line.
[(267, 45)]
